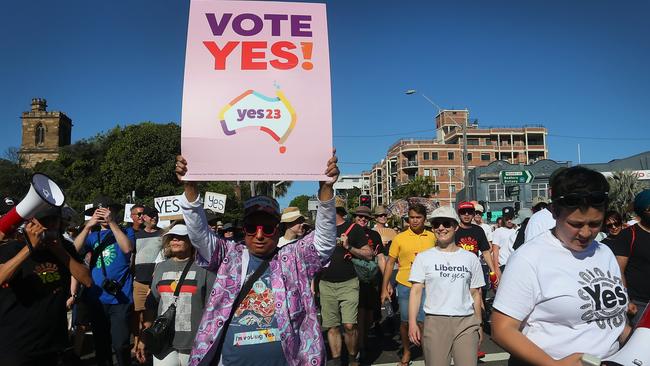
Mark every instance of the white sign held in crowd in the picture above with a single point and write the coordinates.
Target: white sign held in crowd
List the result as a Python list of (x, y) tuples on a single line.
[(127, 212), (215, 202), (87, 206), (168, 207)]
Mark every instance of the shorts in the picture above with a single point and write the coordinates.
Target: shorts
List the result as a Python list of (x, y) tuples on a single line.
[(403, 293), (140, 292), (339, 302)]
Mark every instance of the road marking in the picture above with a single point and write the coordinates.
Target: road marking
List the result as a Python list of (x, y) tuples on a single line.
[(490, 357)]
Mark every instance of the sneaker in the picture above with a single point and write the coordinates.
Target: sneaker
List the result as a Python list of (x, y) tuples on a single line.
[(334, 362), (480, 354)]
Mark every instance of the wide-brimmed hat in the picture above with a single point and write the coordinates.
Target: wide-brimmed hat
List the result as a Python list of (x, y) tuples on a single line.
[(340, 204), (479, 208), (522, 215), (445, 212), (105, 202), (262, 204), (379, 210), (291, 214), (539, 199), (228, 227), (179, 229), (362, 211)]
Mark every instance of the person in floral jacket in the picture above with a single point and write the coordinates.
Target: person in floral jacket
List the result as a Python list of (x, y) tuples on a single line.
[(276, 323)]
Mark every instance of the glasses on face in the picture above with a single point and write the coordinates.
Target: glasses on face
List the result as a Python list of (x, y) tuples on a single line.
[(382, 215), (595, 199), (445, 223), (362, 217), (139, 214), (267, 230), (612, 225), (466, 211)]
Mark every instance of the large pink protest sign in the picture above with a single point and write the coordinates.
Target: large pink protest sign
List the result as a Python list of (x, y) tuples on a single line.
[(256, 94)]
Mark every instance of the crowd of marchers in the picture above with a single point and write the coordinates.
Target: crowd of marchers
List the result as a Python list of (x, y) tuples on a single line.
[(549, 284)]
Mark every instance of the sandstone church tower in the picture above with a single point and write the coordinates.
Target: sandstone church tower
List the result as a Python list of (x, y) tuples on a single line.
[(43, 133)]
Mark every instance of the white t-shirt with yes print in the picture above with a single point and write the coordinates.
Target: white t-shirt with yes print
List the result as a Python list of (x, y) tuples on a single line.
[(567, 301)]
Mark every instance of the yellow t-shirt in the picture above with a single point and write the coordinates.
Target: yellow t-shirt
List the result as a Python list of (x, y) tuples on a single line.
[(405, 247)]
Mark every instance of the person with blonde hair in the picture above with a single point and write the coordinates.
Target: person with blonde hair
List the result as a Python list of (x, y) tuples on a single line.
[(194, 290)]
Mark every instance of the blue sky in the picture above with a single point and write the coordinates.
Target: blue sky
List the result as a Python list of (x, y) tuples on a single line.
[(579, 68)]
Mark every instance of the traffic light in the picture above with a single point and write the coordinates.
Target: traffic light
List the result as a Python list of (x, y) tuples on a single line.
[(364, 200)]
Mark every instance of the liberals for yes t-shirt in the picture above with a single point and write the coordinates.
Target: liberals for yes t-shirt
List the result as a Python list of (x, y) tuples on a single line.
[(567, 301), (448, 278)]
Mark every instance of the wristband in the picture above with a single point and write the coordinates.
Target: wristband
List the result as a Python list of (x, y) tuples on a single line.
[(28, 243)]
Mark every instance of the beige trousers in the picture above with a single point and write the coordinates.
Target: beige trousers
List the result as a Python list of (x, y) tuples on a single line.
[(445, 337)]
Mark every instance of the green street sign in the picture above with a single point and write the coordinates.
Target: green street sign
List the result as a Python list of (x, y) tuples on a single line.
[(518, 177)]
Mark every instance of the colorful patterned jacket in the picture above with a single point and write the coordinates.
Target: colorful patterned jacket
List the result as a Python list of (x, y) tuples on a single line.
[(292, 270)]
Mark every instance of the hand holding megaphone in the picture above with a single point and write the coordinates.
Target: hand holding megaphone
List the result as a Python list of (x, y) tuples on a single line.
[(42, 194)]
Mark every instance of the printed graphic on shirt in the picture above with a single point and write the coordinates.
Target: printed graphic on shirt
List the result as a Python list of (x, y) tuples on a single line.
[(109, 254), (452, 272), (166, 288), (47, 272), (605, 298), (253, 321), (468, 243)]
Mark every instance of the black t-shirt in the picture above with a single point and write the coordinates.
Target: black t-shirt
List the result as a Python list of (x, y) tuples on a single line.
[(610, 241), (637, 271), (341, 269), (472, 239), (32, 304), (375, 242)]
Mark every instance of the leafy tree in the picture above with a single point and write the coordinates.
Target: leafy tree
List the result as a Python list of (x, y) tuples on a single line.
[(624, 186), (418, 187), (301, 202), (14, 180), (352, 198)]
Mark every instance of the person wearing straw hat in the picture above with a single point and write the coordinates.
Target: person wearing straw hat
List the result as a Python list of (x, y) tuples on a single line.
[(292, 222), (190, 303), (452, 303)]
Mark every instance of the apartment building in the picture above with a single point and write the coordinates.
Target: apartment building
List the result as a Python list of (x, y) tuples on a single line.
[(442, 157)]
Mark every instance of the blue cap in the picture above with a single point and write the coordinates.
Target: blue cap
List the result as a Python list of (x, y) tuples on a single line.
[(642, 202)]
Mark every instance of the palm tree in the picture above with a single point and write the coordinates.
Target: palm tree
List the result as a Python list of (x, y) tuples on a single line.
[(266, 188), (624, 186), (418, 187)]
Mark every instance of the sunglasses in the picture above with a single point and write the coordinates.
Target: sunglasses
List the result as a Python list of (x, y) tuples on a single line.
[(613, 224), (382, 215), (267, 230), (139, 214), (466, 211), (445, 223), (362, 217), (583, 199)]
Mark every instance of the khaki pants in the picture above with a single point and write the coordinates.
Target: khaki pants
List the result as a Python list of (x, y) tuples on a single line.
[(445, 337)]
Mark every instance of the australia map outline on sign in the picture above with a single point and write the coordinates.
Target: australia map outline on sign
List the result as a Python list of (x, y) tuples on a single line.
[(251, 109)]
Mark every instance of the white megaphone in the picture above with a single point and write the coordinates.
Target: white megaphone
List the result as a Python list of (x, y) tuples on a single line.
[(42, 194), (636, 351)]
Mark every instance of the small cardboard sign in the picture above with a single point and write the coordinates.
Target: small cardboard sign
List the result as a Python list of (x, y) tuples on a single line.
[(127, 212), (215, 202), (168, 207)]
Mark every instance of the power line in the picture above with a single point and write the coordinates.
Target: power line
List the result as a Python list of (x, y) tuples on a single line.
[(384, 135), (601, 138)]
